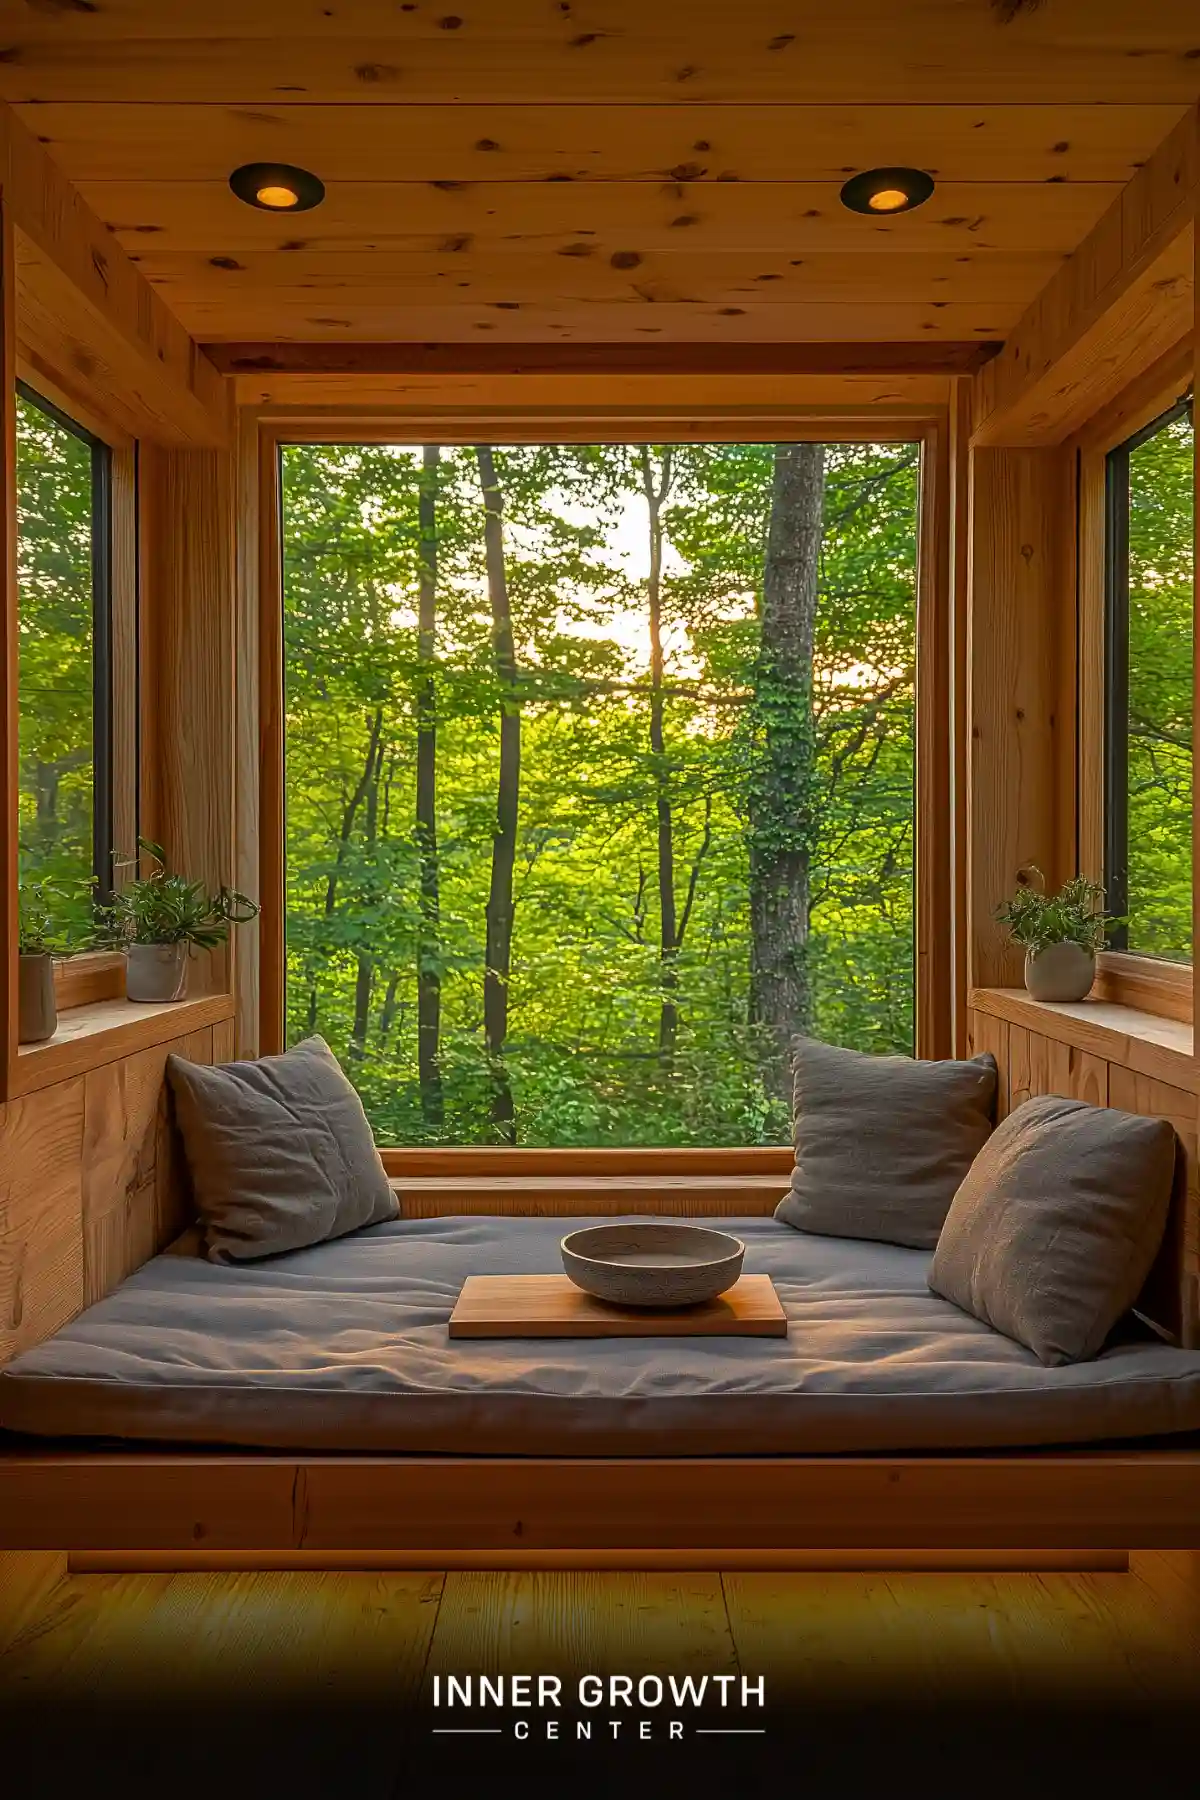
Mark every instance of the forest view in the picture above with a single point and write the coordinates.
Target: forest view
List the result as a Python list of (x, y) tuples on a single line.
[(54, 624), (1161, 636), (599, 779)]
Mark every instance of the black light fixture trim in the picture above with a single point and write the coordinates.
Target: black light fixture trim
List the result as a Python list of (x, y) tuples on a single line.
[(914, 184), (252, 179)]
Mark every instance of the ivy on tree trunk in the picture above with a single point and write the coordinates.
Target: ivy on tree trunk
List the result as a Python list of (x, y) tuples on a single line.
[(782, 778)]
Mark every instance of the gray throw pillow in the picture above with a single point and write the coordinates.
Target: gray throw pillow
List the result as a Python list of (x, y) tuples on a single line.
[(279, 1151), (1054, 1230), (882, 1142)]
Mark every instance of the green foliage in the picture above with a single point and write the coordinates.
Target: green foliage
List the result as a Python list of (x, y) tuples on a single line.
[(48, 913), (163, 908), (1075, 915), (54, 628), (588, 981), (1161, 636)]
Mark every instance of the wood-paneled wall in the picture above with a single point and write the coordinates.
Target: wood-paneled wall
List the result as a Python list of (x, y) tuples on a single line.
[(1020, 686), (188, 684), (91, 1186), (1033, 1063)]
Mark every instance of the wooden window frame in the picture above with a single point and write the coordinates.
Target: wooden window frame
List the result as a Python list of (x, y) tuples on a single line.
[(95, 976), (100, 559), (1147, 983), (939, 866)]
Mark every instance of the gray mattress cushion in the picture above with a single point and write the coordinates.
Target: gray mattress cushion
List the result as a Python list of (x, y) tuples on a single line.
[(343, 1347), (882, 1142)]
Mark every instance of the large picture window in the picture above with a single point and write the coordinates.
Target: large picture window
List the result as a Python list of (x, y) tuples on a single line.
[(599, 768), (64, 672), (1150, 586)]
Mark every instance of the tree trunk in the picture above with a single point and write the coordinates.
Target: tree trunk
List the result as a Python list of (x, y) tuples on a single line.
[(783, 775), (364, 979), (498, 952), (429, 981), (668, 940)]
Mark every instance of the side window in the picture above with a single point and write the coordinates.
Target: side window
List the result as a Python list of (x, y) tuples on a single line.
[(1150, 590), (64, 671)]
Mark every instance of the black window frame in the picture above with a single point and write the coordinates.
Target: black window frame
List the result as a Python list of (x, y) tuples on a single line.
[(102, 637), (1116, 665)]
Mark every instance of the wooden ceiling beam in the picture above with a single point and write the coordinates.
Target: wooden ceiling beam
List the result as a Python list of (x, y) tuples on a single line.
[(377, 51), (308, 359), (84, 309), (1124, 298)]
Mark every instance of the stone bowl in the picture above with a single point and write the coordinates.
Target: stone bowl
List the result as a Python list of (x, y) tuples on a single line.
[(651, 1264)]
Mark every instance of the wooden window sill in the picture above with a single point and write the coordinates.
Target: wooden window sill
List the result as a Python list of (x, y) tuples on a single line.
[(559, 1183), (1147, 983), (107, 1030), (1146, 1042), (83, 980)]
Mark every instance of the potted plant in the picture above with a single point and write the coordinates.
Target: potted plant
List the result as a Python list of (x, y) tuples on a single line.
[(158, 918), (41, 936), (1060, 934)]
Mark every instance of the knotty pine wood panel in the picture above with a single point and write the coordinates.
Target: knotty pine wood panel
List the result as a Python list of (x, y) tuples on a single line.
[(689, 216), (86, 309), (41, 1234), (988, 1034), (257, 541), (515, 389), (1015, 734), (192, 672), (545, 141), (930, 53), (134, 1193), (92, 1183), (637, 320), (1123, 300), (454, 271), (1170, 1297)]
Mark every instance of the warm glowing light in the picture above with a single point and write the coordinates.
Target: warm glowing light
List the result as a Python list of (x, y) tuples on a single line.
[(887, 190), (279, 196), (277, 187)]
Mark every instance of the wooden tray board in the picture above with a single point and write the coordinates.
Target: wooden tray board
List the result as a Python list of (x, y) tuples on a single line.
[(546, 1306)]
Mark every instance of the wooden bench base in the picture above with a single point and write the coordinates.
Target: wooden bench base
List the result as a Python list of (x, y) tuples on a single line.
[(377, 1562), (489, 1507)]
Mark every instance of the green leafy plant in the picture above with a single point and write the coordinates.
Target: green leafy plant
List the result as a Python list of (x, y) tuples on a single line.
[(44, 924), (1075, 915), (165, 908)]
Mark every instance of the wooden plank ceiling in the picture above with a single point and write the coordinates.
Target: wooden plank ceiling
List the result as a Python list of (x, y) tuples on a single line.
[(600, 171)]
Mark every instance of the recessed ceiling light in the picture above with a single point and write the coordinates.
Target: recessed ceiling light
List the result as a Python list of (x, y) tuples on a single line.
[(277, 187), (881, 191)]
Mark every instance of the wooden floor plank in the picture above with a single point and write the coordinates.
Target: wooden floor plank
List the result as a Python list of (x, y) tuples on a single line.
[(583, 1621), (27, 1578), (949, 1634), (286, 1632)]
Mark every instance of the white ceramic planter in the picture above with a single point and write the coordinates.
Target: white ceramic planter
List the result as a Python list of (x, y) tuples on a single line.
[(37, 1009), (1060, 972), (156, 972)]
